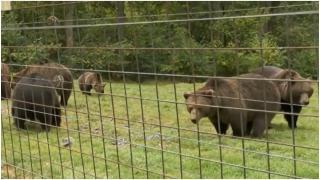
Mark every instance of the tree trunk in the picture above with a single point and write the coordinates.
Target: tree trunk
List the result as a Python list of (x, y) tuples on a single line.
[(120, 18), (69, 31), (219, 6), (268, 25)]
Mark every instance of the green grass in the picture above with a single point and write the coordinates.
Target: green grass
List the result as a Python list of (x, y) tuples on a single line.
[(29, 150)]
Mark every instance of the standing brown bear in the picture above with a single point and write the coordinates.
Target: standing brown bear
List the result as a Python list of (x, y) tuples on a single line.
[(300, 90), (34, 97), (5, 82), (60, 76), (242, 103), (89, 80)]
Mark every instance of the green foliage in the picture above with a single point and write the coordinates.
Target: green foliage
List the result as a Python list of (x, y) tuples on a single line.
[(185, 61), (278, 31), (10, 38)]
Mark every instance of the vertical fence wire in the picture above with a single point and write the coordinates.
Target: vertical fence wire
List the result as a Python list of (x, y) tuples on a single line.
[(90, 134), (193, 80), (261, 33), (68, 133), (154, 63), (79, 134), (5, 150), (214, 67), (47, 121), (292, 118), (114, 116), (103, 136), (178, 119), (141, 102)]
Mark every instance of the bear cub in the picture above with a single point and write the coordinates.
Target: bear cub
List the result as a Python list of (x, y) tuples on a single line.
[(91, 80)]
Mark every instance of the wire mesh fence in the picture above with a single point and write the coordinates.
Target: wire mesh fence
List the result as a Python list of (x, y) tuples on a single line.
[(160, 90)]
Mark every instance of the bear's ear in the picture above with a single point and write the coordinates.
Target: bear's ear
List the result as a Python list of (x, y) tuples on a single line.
[(186, 94), (288, 74), (99, 77), (208, 92)]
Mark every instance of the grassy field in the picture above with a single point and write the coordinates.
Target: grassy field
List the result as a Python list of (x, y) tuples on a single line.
[(101, 145)]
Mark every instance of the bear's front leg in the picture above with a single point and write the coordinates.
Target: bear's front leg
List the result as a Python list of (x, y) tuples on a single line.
[(291, 118), (220, 127), (238, 128), (87, 90)]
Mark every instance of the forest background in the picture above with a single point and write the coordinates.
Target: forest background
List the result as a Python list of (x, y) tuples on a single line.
[(163, 47)]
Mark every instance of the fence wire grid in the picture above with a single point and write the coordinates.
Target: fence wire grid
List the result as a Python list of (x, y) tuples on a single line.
[(160, 90)]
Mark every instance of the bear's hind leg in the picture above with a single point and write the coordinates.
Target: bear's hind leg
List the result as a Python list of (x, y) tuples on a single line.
[(249, 128), (259, 125), (239, 129), (45, 120), (56, 119), (19, 117), (19, 122)]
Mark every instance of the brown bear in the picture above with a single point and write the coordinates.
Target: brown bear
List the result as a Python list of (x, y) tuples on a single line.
[(5, 82), (300, 90), (34, 97), (57, 73), (89, 80), (242, 103)]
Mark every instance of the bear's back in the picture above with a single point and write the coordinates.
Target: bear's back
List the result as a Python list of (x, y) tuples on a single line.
[(258, 92), (36, 89), (268, 71)]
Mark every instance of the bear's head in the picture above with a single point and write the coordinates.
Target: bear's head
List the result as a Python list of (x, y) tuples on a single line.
[(199, 104), (98, 84), (298, 87), (99, 87)]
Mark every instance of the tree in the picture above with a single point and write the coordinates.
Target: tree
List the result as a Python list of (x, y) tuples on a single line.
[(120, 18), (69, 22)]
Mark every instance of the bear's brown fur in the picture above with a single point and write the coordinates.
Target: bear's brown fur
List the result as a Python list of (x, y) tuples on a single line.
[(35, 98), (300, 90), (5, 81), (53, 71), (238, 102), (89, 80)]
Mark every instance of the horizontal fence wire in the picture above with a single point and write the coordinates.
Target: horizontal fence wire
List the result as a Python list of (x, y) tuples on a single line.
[(173, 48), (160, 21), (133, 116), (166, 15), (168, 75)]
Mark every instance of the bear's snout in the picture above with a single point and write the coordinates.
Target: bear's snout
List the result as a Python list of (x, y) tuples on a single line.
[(194, 116), (194, 121), (306, 103), (304, 99)]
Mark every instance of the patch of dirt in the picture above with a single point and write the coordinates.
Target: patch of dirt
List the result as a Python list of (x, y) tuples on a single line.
[(120, 141), (8, 171)]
